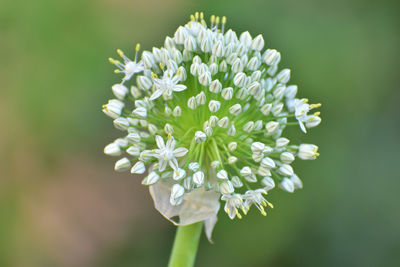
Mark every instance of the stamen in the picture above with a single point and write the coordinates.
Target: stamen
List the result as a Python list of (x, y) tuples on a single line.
[(223, 24)]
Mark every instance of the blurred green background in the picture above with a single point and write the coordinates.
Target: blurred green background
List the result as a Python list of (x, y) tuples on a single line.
[(61, 203)]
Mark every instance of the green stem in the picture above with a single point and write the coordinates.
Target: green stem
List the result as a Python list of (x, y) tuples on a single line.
[(185, 245)]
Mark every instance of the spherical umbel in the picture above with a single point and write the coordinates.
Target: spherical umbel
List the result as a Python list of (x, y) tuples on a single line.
[(207, 112)]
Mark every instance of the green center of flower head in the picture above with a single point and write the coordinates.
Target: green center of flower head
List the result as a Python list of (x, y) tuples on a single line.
[(208, 110)]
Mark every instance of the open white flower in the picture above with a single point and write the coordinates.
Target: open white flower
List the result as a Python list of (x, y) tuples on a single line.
[(167, 154), (167, 85)]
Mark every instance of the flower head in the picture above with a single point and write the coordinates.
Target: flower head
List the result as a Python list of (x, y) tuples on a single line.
[(207, 113)]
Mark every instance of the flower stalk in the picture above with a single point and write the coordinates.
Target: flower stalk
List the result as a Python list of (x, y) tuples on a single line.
[(185, 245)]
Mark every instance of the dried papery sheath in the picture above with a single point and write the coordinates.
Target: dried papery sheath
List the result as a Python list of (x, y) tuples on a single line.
[(204, 118)]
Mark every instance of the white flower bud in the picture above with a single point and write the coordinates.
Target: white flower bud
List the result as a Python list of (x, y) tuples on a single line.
[(138, 168), (232, 159), (143, 82), (308, 151), (167, 111), (298, 184), (113, 108), (201, 98), (286, 170), (177, 112), (148, 59), (248, 127), (239, 79), (190, 44), (263, 171), (198, 178), (121, 123), (194, 69), (215, 86), (188, 183), (200, 137), (112, 149), (214, 105), (133, 151), (257, 157), (258, 43), (271, 57), (122, 142), (214, 68), (258, 125), (253, 88), (227, 93), (283, 76), (277, 109), (206, 45), (237, 66), (287, 157), (279, 91), (253, 64), (180, 35), (215, 164), (120, 91), (271, 126), (291, 91), (265, 109), (150, 179), (257, 147), (235, 109), (268, 183), (245, 38), (122, 165), (179, 174), (245, 171), (192, 103), (208, 130), (218, 49), (224, 122), (236, 182), (232, 146), (223, 66), (268, 163), (194, 166), (140, 112), (230, 37), (231, 131), (287, 185), (281, 142), (135, 92), (222, 174), (133, 137), (177, 193), (205, 78), (226, 187)]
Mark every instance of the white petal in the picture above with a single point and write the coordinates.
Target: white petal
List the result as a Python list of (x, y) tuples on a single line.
[(160, 142), (156, 94), (180, 152), (179, 88)]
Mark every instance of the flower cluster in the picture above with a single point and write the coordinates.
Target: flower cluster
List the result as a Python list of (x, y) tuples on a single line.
[(208, 110)]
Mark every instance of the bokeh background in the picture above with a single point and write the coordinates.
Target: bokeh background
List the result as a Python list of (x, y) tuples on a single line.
[(61, 203)]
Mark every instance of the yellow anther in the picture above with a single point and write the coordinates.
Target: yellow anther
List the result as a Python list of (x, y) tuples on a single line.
[(305, 100), (217, 20), (238, 214), (155, 165), (104, 107), (264, 203), (161, 66), (176, 172), (201, 15), (212, 19), (111, 60), (317, 113), (117, 71), (270, 205), (153, 151), (192, 18), (316, 154), (169, 136), (196, 15), (137, 48), (120, 53), (315, 105), (244, 210), (145, 155), (153, 75), (223, 20), (228, 210), (263, 213)]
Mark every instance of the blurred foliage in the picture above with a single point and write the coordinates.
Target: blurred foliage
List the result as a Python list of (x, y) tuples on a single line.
[(55, 76)]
